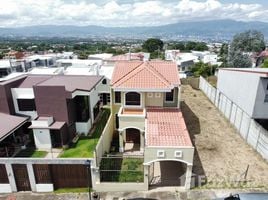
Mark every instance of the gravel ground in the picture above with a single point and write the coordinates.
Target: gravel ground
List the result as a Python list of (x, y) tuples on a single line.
[(221, 153)]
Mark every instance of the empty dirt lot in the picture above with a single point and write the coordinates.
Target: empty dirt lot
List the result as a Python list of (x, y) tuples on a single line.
[(221, 154)]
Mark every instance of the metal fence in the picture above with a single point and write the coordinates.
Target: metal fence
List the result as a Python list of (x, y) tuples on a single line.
[(121, 169), (250, 130)]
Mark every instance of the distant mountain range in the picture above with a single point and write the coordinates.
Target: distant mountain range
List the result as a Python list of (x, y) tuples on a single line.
[(216, 29)]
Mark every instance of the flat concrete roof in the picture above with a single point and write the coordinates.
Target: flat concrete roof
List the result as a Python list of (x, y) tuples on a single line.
[(55, 125), (9, 123), (260, 71)]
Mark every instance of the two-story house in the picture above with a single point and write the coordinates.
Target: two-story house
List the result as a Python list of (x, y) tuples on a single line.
[(146, 105), (58, 106)]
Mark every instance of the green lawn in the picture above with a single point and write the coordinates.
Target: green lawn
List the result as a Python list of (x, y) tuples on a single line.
[(71, 190), (121, 170), (131, 170), (86, 145), (32, 153)]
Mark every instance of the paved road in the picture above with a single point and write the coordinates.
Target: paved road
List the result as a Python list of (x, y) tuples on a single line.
[(155, 194)]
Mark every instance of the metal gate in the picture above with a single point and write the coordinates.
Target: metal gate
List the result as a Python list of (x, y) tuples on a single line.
[(67, 176), (21, 177)]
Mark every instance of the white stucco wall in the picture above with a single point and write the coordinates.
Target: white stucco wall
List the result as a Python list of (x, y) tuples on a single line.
[(94, 98), (104, 88), (5, 188), (44, 187), (42, 138), (187, 154), (261, 107), (239, 87), (83, 127), (23, 93)]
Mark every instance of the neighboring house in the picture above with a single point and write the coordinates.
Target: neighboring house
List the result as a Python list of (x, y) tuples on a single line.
[(146, 107), (5, 68), (171, 55), (13, 134), (101, 56), (59, 106), (47, 71), (141, 56), (78, 63), (105, 71), (185, 61), (246, 87), (47, 60), (261, 57)]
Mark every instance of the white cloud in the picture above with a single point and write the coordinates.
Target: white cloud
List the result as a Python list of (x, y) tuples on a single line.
[(116, 13)]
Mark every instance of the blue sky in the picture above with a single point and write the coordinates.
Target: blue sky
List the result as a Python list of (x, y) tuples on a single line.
[(127, 12)]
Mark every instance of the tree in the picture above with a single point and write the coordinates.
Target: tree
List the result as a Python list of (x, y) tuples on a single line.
[(224, 55), (265, 63), (249, 41), (152, 45), (242, 45), (203, 69), (238, 59)]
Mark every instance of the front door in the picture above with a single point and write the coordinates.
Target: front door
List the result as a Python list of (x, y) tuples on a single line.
[(21, 177), (133, 136)]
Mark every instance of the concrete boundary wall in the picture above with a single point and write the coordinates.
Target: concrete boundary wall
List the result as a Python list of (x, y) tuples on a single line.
[(255, 135), (105, 140), (29, 162)]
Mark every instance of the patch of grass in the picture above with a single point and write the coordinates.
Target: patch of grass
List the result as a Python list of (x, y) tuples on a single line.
[(85, 146), (31, 153), (122, 170), (71, 190)]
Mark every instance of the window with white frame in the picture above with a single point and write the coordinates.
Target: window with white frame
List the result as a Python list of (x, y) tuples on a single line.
[(160, 154), (150, 95), (117, 97), (133, 99), (170, 96), (157, 95), (178, 154)]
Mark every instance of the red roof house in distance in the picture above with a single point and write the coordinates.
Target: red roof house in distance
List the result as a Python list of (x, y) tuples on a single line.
[(146, 106)]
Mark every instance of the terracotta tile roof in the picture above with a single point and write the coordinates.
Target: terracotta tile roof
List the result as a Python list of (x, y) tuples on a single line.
[(9, 123), (166, 128), (145, 75)]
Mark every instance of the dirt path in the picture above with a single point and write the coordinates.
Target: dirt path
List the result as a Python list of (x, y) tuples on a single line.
[(222, 155)]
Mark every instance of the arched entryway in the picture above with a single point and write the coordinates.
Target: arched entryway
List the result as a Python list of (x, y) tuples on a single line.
[(132, 139), (167, 173)]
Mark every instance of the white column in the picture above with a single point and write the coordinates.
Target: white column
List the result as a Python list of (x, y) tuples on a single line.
[(146, 177), (142, 140), (11, 177), (31, 176), (121, 142), (188, 177)]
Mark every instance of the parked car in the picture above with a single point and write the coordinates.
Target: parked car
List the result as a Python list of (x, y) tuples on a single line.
[(246, 196)]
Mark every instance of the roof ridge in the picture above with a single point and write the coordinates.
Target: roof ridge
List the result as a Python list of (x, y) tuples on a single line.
[(124, 79), (140, 69), (159, 73), (125, 74)]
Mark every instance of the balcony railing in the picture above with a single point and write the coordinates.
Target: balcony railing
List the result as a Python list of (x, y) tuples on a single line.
[(132, 111)]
